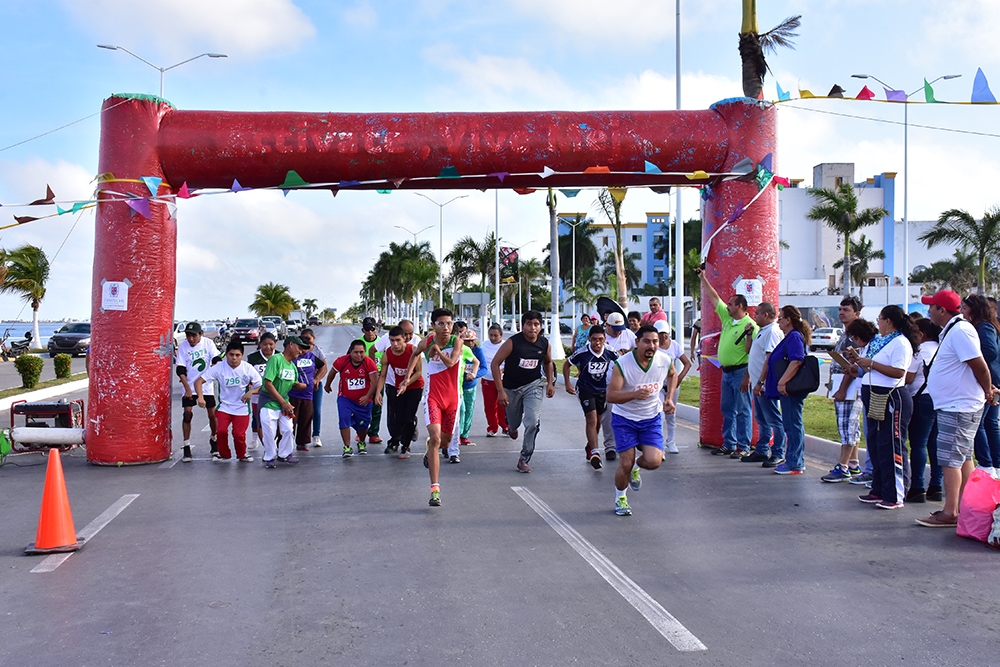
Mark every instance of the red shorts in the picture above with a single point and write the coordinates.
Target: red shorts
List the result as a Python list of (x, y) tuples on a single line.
[(444, 415)]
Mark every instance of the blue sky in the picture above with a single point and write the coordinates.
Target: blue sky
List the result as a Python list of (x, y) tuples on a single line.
[(440, 55)]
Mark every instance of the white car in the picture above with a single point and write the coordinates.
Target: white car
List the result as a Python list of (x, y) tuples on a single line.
[(826, 338)]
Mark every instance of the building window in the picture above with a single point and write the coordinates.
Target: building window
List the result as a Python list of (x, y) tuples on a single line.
[(658, 272), (637, 256), (637, 238), (604, 241)]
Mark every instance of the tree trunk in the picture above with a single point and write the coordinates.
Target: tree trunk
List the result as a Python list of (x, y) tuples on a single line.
[(36, 340), (620, 265), (982, 273), (847, 265)]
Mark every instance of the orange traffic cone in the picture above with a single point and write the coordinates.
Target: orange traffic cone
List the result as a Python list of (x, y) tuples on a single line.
[(56, 533)]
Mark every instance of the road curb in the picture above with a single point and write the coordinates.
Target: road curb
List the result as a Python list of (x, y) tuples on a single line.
[(48, 392)]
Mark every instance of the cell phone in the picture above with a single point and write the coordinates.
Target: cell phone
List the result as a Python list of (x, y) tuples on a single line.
[(996, 398)]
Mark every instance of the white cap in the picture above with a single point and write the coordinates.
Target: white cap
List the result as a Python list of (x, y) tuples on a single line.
[(662, 326), (616, 320)]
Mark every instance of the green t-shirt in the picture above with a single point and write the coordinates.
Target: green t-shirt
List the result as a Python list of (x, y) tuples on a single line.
[(369, 344), (732, 353), (282, 374)]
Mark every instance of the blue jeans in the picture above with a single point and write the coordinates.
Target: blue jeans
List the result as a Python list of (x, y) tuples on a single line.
[(765, 411), (735, 407), (317, 410), (795, 432), (988, 438), (923, 443)]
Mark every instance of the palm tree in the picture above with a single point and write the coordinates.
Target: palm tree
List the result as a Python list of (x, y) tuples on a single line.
[(310, 306), (401, 274), (611, 206), (273, 299), (978, 237), (470, 258), (860, 259), (27, 271), (838, 208), (753, 46), (958, 274), (530, 272), (586, 251), (589, 284)]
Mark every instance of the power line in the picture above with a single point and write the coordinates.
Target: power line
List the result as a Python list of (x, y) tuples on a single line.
[(892, 122)]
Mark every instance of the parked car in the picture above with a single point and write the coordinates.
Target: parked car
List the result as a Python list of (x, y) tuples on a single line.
[(826, 338), (314, 321), (276, 326), (72, 339), (247, 330)]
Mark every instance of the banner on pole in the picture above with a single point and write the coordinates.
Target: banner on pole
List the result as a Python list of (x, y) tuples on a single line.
[(508, 265)]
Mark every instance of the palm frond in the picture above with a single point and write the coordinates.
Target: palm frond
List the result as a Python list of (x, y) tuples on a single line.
[(780, 35)]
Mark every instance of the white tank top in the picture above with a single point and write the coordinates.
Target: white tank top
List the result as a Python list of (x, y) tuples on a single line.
[(635, 377)]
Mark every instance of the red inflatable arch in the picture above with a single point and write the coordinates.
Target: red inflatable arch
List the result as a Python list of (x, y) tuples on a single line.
[(130, 403)]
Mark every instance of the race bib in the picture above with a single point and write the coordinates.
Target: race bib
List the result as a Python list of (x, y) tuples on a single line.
[(234, 382), (597, 368), (288, 374), (653, 388), (304, 363), (400, 372), (355, 384), (528, 363)]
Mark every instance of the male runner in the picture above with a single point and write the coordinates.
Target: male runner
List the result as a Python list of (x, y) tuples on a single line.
[(443, 352), (619, 339), (258, 359), (276, 413), (401, 394), (238, 381), (194, 356), (634, 394), (312, 368), (525, 357), (358, 382), (369, 336), (594, 362)]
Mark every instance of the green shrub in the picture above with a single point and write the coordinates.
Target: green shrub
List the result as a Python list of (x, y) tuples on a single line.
[(30, 367), (63, 364)]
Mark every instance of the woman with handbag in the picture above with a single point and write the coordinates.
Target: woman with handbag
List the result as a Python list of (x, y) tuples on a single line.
[(791, 349), (888, 406)]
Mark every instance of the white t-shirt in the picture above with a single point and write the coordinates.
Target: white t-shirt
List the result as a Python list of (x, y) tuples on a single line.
[(233, 383), (382, 344), (489, 351), (951, 383), (763, 344), (920, 359), (197, 359), (897, 354), (635, 377), (624, 342)]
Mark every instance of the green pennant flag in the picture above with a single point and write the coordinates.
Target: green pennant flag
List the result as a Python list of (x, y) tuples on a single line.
[(293, 180), (929, 93)]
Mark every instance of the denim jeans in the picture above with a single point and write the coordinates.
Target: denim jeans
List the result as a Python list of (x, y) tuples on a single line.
[(768, 416), (317, 410), (795, 432), (988, 438), (923, 443), (735, 407)]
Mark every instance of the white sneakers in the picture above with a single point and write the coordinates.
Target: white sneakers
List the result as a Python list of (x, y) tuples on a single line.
[(316, 441), (671, 448)]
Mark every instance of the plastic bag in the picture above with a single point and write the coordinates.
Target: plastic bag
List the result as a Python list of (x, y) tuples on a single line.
[(979, 501), (993, 541)]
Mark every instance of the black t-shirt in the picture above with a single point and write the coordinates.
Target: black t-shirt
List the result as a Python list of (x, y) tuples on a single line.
[(526, 361)]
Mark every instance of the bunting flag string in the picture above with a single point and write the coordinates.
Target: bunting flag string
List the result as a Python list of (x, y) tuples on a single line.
[(981, 94)]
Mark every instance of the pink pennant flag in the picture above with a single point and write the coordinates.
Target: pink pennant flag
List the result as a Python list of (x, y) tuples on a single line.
[(865, 94), (184, 193), (782, 181), (140, 206)]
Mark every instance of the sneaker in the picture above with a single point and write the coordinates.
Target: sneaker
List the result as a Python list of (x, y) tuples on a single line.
[(348, 451), (838, 474), (269, 464), (512, 433), (302, 448), (465, 442), (246, 459), (938, 520), (595, 460), (374, 440), (609, 455), (522, 466), (404, 453), (886, 505), (854, 470), (870, 498), (935, 494), (635, 481), (290, 459), (186, 457), (505, 431), (772, 462), (671, 448), (217, 458), (362, 449), (317, 442), (622, 507), (784, 469), (388, 447), (754, 457), (864, 479), (254, 443), (916, 495), (213, 444), (435, 500), (491, 434), (722, 451), (739, 454), (454, 459)]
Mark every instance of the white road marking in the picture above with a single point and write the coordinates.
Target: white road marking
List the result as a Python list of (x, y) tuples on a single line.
[(168, 464), (653, 611), (91, 529)]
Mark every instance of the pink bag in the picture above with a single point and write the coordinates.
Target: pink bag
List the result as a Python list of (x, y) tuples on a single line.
[(979, 500)]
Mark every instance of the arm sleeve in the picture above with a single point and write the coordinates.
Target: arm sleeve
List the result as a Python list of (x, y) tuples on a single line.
[(483, 366), (721, 310), (796, 347), (988, 341)]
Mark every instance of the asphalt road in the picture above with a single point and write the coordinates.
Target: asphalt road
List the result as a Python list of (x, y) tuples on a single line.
[(342, 562)]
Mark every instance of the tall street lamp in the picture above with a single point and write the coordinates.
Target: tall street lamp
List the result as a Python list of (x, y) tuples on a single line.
[(112, 47), (416, 294), (440, 242), (517, 249), (574, 225), (906, 178)]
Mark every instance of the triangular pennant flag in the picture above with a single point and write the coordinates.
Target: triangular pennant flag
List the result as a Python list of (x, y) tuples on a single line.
[(49, 197), (737, 212), (500, 175), (766, 162), (524, 191), (293, 180), (60, 210), (782, 95), (865, 94), (140, 206), (929, 93), (284, 193), (714, 360), (152, 182), (617, 193), (547, 171), (707, 192), (597, 170), (449, 172), (660, 190), (805, 94), (570, 193), (782, 181), (744, 166), (696, 175), (981, 93), (172, 210), (347, 184), (652, 168), (21, 219), (334, 191), (184, 193), (398, 182), (237, 187), (763, 178), (384, 192), (78, 206), (836, 91), (895, 95)]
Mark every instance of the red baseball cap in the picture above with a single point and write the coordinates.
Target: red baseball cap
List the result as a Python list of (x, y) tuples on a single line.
[(945, 298)]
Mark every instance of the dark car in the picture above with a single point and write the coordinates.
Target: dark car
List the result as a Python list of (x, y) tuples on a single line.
[(72, 339), (314, 321), (247, 330)]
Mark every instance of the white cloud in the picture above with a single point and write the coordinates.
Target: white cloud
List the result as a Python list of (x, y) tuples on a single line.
[(245, 28), (361, 16), (963, 26), (622, 24)]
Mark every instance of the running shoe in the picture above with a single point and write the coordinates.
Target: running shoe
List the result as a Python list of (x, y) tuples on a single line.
[(269, 464), (491, 434), (754, 457), (246, 459), (635, 481), (671, 448), (595, 460), (291, 459), (362, 449), (348, 451), (388, 447), (838, 474), (739, 454), (854, 470), (863, 479), (870, 498), (435, 500), (375, 440), (886, 505), (522, 466), (187, 458), (317, 442), (465, 442), (622, 507), (404, 453), (784, 469), (723, 451), (454, 459), (512, 433), (505, 431), (609, 455), (302, 448), (217, 458), (772, 462)]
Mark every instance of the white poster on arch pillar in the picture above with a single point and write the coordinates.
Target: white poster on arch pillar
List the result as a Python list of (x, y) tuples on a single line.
[(751, 288), (114, 294)]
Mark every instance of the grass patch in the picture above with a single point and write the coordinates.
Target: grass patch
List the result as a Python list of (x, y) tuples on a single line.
[(818, 416), (7, 393)]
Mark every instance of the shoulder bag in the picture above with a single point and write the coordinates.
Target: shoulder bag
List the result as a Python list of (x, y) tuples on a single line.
[(806, 379)]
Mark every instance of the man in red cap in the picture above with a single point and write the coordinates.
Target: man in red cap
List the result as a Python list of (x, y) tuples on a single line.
[(959, 383)]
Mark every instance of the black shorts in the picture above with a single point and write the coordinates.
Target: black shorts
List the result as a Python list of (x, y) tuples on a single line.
[(193, 401), (590, 401)]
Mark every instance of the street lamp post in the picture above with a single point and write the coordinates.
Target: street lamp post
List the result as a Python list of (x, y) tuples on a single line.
[(906, 179), (574, 225), (416, 294), (440, 242), (517, 248), (112, 47)]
